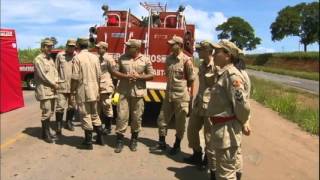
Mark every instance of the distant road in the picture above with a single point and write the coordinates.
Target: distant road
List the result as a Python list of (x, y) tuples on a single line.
[(303, 84)]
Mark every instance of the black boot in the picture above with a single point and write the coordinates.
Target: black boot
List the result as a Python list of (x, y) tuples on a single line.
[(119, 144), (59, 116), (213, 175), (204, 162), (87, 143), (161, 145), (99, 139), (176, 147), (238, 175), (46, 131), (107, 125), (195, 158), (134, 141), (70, 114)]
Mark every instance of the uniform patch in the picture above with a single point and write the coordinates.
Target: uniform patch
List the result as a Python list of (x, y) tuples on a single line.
[(236, 83)]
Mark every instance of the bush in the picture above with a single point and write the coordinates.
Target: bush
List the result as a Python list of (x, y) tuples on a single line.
[(28, 55)]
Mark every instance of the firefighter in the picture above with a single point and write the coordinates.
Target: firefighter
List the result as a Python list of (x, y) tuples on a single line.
[(106, 86), (198, 118), (180, 73), (46, 78), (132, 71), (65, 100), (228, 111), (85, 84)]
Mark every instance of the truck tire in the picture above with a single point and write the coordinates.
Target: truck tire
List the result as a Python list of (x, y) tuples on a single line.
[(31, 84)]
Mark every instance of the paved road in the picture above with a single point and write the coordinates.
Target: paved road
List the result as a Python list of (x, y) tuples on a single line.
[(276, 150), (304, 84)]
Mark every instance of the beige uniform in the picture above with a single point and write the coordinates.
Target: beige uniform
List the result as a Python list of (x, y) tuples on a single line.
[(131, 92), (198, 118), (106, 84), (86, 72), (64, 68), (178, 70), (231, 110), (46, 76)]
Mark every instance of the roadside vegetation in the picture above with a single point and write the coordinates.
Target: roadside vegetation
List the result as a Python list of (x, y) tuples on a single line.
[(299, 74), (294, 105), (262, 58), (27, 55)]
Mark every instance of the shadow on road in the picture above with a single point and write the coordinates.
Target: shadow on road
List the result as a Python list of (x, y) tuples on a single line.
[(189, 173)]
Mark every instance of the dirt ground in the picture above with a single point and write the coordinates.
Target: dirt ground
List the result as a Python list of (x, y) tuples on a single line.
[(276, 150)]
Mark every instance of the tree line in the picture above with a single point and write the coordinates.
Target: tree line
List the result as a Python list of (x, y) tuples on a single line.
[(301, 20)]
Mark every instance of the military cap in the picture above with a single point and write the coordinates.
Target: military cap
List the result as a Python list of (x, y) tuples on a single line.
[(71, 42), (176, 39), (102, 44), (229, 46), (134, 43), (83, 41), (47, 42), (204, 44)]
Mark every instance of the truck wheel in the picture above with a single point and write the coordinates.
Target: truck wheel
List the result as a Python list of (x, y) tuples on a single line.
[(31, 84)]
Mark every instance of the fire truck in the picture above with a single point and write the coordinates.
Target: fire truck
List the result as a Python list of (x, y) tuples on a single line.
[(153, 30)]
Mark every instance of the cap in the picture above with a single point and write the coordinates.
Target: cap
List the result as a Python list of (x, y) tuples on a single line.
[(83, 41), (229, 46), (47, 42), (102, 44), (176, 39), (134, 43), (204, 44), (71, 42)]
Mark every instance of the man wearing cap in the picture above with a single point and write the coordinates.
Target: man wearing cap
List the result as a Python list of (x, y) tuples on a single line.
[(85, 84), (133, 70), (46, 78), (106, 86), (229, 113), (198, 119), (65, 99), (180, 76)]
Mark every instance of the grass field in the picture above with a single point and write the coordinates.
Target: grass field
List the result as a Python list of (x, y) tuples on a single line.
[(294, 105), (295, 73)]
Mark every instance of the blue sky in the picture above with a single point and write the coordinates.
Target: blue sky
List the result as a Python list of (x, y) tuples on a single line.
[(63, 19)]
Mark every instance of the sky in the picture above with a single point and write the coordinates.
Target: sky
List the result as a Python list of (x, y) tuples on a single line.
[(35, 19)]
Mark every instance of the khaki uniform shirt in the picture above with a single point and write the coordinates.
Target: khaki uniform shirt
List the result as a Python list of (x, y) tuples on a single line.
[(229, 98), (106, 63), (86, 71), (178, 70), (142, 65), (45, 76), (206, 80), (64, 67)]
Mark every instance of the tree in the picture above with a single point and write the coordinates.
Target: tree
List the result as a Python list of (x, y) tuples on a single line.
[(240, 32), (301, 20)]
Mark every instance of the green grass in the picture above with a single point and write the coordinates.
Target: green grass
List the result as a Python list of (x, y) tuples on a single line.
[(28, 55), (299, 74), (313, 55), (285, 101)]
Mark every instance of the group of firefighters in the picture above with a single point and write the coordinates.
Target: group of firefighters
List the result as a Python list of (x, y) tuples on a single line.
[(87, 81)]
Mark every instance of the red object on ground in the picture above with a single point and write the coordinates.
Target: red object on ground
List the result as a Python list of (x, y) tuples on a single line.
[(10, 82)]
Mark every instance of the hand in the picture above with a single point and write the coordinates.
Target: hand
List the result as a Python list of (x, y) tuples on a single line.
[(136, 75), (246, 129), (56, 86)]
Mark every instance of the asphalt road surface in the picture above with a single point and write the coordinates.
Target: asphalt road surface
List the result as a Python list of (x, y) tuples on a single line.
[(276, 150), (303, 84)]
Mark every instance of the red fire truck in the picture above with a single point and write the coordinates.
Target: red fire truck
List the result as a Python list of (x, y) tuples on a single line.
[(154, 30)]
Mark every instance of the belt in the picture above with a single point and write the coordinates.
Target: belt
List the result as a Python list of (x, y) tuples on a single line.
[(216, 120)]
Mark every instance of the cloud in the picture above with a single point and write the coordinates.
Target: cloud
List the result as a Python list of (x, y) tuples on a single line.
[(260, 50), (205, 22), (34, 19)]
